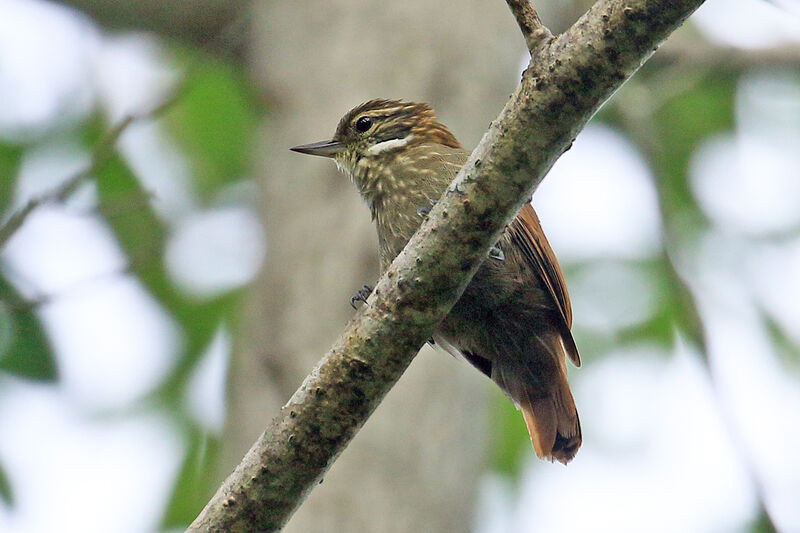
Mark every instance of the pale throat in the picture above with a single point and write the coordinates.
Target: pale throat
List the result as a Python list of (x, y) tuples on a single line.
[(371, 172)]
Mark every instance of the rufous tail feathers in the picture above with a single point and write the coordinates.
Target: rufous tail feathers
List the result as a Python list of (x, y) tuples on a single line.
[(553, 423)]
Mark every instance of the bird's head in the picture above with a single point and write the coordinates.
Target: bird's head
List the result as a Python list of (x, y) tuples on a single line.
[(375, 132)]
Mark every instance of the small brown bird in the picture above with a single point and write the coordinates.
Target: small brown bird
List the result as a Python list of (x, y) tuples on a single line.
[(513, 321)]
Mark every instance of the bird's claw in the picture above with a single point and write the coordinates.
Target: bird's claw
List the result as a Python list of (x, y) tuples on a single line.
[(497, 253), (361, 296), (457, 190), (425, 210)]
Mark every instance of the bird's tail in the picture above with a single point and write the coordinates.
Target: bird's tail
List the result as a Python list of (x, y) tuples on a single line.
[(553, 423), (542, 393)]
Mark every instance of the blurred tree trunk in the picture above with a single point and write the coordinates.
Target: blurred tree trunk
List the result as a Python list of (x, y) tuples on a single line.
[(208, 24), (415, 465)]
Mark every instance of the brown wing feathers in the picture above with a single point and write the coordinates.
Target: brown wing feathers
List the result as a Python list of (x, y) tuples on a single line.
[(550, 414), (527, 234)]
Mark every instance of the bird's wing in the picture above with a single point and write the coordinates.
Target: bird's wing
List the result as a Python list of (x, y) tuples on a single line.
[(527, 234)]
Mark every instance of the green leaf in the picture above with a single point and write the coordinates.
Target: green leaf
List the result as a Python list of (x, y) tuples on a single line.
[(127, 208), (786, 348), (24, 348), (10, 157), (681, 125), (214, 121), (677, 310), (510, 437), (762, 522), (6, 493), (196, 480)]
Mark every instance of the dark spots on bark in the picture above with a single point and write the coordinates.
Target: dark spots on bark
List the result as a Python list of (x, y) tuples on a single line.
[(643, 44), (360, 371), (486, 221), (521, 158), (554, 108), (587, 77)]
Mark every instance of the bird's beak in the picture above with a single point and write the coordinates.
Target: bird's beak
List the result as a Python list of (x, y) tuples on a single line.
[(323, 148)]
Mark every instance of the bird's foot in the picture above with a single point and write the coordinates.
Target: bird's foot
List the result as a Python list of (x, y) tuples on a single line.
[(425, 210), (457, 190), (361, 296), (497, 253)]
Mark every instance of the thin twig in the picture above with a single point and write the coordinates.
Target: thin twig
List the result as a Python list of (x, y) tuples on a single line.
[(102, 153), (530, 24)]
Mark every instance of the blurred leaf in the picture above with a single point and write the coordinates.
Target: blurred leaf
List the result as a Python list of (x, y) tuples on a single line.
[(24, 348), (93, 130), (6, 494), (10, 157), (762, 523), (510, 438), (668, 137), (659, 329), (784, 345), (680, 125), (685, 311), (214, 121), (196, 480), (143, 236), (676, 310)]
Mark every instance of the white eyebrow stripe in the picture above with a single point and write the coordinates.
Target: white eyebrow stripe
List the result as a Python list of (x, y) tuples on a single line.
[(388, 145)]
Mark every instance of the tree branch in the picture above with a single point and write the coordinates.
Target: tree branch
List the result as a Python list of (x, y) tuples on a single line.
[(565, 83), (530, 24)]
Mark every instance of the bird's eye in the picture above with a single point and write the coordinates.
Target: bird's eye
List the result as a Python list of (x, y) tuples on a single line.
[(363, 124)]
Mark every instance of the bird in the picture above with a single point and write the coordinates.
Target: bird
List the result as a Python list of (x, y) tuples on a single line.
[(513, 321)]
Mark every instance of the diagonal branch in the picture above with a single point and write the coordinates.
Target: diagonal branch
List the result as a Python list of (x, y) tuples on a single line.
[(530, 24), (565, 83)]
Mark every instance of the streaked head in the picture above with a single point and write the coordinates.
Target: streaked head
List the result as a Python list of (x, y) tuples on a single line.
[(379, 129)]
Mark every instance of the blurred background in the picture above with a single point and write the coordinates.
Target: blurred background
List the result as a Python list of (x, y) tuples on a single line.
[(169, 271)]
